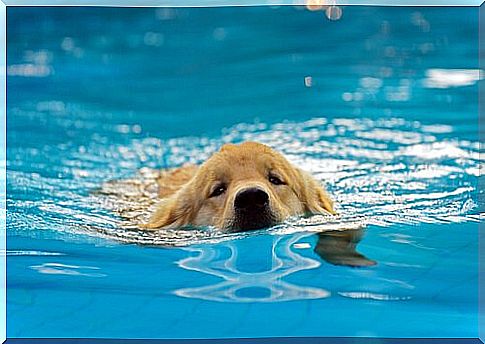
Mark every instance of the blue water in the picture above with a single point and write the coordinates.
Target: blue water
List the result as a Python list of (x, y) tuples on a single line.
[(380, 105)]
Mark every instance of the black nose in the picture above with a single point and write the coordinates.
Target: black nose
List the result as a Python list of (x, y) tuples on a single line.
[(251, 198)]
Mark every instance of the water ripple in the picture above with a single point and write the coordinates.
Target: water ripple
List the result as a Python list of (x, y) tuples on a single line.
[(70, 270), (373, 296), (380, 172)]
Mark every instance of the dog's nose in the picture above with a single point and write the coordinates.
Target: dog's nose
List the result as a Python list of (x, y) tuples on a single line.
[(251, 198)]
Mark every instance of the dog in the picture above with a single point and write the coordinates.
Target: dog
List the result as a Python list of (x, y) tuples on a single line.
[(242, 187)]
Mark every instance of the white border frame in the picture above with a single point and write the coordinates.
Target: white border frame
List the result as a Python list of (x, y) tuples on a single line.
[(182, 3)]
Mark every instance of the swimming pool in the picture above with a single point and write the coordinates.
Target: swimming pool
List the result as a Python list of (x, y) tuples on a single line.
[(380, 105)]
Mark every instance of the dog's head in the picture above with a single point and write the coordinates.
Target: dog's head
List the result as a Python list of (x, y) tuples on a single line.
[(243, 187)]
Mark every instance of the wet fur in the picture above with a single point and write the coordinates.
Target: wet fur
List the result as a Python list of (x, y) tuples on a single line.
[(185, 191)]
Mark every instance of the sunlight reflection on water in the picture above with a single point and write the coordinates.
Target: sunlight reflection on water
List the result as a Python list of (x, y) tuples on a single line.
[(380, 172), (251, 286)]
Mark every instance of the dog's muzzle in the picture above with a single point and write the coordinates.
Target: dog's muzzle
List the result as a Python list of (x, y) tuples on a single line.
[(252, 209)]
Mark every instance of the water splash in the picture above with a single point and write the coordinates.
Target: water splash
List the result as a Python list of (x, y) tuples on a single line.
[(380, 172)]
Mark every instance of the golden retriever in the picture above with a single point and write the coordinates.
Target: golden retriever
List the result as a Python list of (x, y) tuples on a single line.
[(241, 187)]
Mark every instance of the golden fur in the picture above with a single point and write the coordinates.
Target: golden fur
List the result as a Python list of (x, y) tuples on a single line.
[(188, 199)]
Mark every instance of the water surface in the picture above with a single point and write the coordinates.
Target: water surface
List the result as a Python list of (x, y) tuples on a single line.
[(380, 105)]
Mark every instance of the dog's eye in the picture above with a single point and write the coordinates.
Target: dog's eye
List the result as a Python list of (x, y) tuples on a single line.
[(219, 190), (275, 180)]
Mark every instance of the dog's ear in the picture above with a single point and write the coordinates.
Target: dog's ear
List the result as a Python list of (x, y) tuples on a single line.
[(313, 195), (173, 212)]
